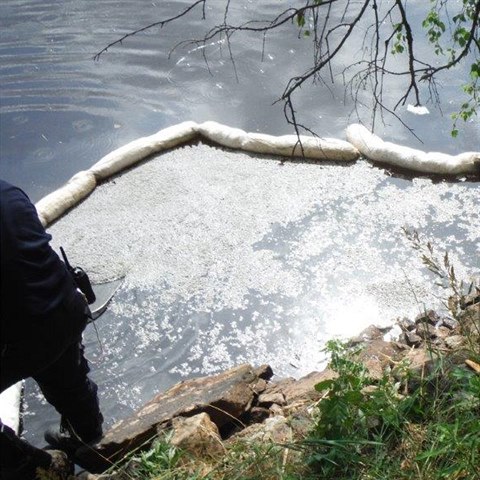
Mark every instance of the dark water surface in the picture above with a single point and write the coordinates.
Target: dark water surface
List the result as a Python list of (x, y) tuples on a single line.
[(60, 112)]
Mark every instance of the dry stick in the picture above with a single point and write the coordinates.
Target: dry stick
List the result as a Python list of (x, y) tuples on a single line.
[(473, 365)]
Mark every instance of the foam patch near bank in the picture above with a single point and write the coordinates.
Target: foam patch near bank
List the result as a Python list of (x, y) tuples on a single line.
[(230, 257)]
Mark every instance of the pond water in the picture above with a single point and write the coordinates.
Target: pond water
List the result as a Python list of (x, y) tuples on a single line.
[(60, 112)]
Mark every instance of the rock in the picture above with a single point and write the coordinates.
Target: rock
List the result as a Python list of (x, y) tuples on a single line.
[(301, 423), (470, 320), (455, 341), (471, 299), (275, 409), (372, 332), (430, 316), (401, 344), (258, 414), (377, 356), (275, 429), (260, 386), (90, 476), (264, 371), (443, 332), (225, 397), (302, 389), (426, 331), (406, 324), (449, 323), (267, 399), (197, 435), (114, 475), (420, 360), (412, 339)]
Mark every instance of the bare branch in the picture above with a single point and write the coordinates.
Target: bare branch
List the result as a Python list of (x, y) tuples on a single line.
[(330, 35), (296, 82), (411, 58)]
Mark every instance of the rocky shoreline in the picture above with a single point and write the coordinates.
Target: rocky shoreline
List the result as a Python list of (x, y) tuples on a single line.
[(206, 414)]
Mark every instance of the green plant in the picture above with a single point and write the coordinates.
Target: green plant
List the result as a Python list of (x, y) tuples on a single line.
[(160, 461), (367, 430), (356, 418), (458, 290), (451, 445)]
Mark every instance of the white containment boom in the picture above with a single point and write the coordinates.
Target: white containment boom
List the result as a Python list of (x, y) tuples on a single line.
[(360, 141), (10, 406), (375, 149)]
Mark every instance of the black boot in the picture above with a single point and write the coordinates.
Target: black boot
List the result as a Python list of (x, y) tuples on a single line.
[(57, 466), (69, 440), (22, 461)]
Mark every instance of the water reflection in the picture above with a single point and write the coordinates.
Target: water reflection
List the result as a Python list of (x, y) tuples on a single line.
[(51, 83)]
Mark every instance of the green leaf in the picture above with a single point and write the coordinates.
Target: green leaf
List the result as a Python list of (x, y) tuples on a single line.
[(300, 20), (324, 385)]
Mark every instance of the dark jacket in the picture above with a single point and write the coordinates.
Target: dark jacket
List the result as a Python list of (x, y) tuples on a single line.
[(33, 279)]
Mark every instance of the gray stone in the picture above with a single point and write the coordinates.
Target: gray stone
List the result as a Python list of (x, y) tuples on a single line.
[(420, 360), (275, 409), (401, 344), (426, 331), (258, 414), (264, 371), (449, 323), (406, 324), (471, 299), (274, 429), (301, 422), (372, 332), (377, 356), (302, 389), (443, 332), (412, 339)]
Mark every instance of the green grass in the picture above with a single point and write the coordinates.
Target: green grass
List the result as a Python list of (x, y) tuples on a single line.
[(376, 433)]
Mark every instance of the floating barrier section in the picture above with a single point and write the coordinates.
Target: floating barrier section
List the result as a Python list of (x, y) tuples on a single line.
[(360, 142), (375, 149)]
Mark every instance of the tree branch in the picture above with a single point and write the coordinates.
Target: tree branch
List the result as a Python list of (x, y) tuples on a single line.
[(431, 71), (411, 58)]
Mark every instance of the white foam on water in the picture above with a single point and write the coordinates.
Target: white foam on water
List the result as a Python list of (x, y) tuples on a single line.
[(266, 259)]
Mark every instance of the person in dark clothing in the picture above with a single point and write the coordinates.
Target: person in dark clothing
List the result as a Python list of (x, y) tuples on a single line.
[(43, 316)]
